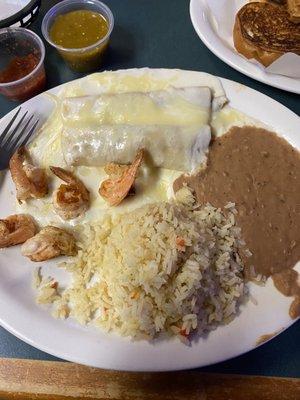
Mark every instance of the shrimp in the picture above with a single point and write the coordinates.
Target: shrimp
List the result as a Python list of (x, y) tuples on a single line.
[(71, 200), (30, 181), (50, 242), (115, 170), (16, 229), (121, 180)]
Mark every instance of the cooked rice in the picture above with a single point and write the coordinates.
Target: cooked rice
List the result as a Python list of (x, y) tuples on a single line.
[(37, 278), (48, 290), (165, 267)]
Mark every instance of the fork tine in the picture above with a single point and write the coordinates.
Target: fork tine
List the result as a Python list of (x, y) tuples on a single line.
[(26, 138), (18, 137), (6, 130), (13, 134)]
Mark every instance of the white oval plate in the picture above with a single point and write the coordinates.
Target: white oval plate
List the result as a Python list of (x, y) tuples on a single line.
[(204, 26), (66, 339), (11, 7)]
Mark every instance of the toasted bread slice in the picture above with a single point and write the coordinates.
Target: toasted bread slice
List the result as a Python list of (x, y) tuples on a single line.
[(263, 31), (294, 10)]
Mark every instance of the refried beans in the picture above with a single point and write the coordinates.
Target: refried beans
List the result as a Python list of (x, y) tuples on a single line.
[(260, 173)]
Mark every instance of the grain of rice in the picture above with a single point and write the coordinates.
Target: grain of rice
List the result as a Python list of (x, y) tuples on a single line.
[(37, 278), (247, 253)]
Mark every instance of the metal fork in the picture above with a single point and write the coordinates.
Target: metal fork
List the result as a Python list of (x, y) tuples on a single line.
[(13, 137)]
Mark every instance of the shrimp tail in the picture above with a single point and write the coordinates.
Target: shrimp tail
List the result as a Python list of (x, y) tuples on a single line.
[(119, 185), (64, 175), (30, 181)]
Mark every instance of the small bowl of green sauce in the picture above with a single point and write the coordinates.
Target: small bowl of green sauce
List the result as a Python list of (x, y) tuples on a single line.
[(80, 31)]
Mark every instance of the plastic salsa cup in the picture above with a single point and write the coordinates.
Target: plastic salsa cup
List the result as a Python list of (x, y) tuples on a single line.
[(83, 59), (22, 73)]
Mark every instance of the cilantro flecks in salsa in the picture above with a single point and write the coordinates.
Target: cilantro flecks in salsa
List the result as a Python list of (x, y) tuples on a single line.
[(78, 29)]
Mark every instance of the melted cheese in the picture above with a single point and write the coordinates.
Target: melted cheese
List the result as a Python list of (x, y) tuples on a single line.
[(153, 184), (145, 80), (228, 117), (184, 106), (171, 125)]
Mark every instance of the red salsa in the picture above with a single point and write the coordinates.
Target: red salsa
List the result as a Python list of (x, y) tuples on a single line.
[(18, 68)]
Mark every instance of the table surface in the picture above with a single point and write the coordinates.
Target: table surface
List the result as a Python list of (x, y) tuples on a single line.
[(159, 33)]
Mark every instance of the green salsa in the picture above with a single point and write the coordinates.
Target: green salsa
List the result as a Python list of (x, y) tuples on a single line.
[(76, 30)]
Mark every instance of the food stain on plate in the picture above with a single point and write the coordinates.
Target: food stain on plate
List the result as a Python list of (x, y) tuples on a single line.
[(265, 338)]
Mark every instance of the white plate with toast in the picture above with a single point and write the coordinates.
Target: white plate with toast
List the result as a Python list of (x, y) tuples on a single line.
[(219, 40)]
